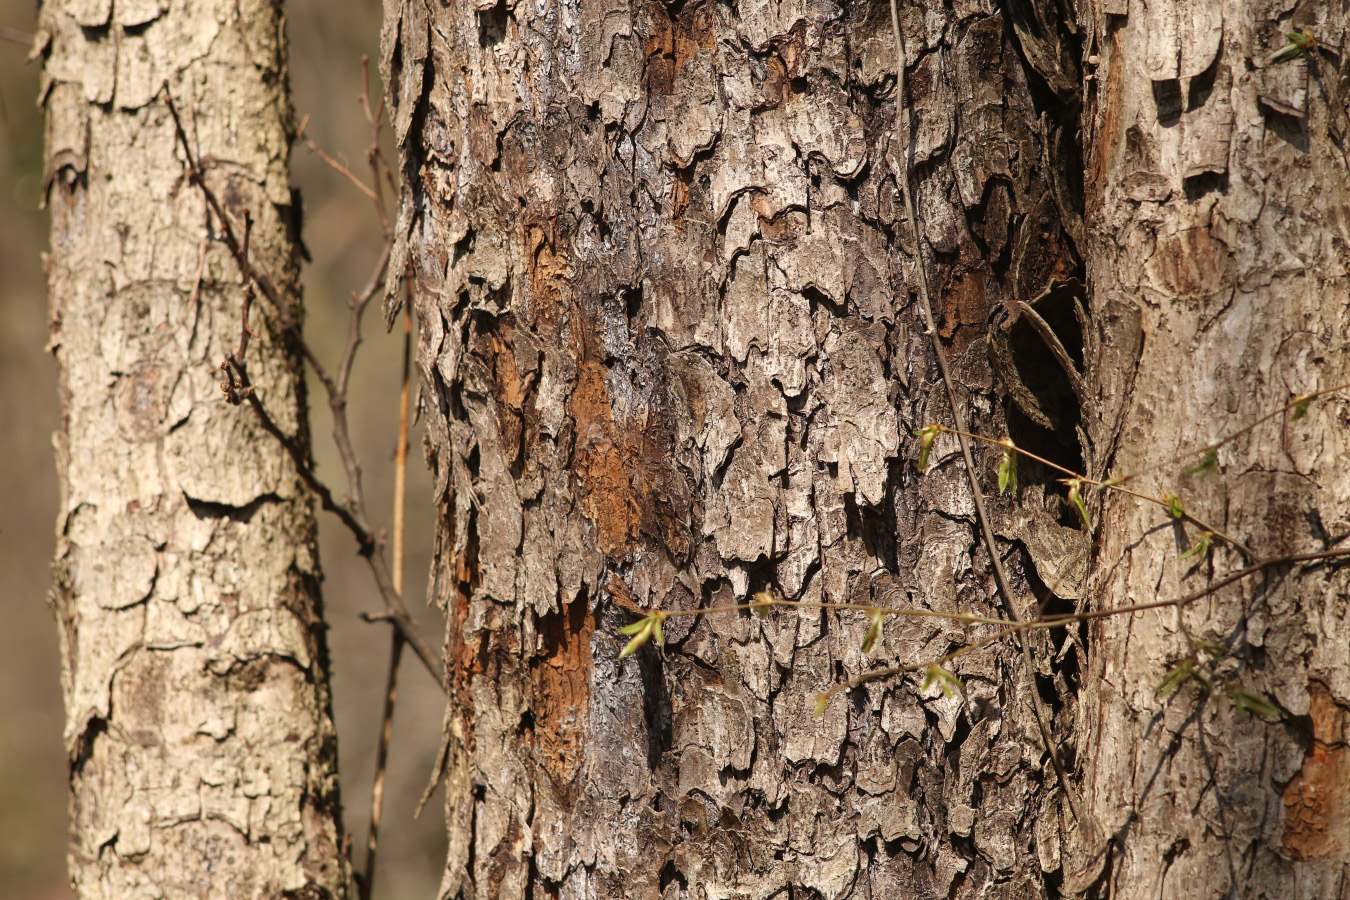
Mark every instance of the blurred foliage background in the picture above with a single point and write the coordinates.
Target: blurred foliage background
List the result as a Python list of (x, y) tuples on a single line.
[(343, 237)]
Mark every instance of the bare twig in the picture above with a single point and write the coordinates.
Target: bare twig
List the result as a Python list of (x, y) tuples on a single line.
[(379, 166), (1006, 627), (352, 512), (1294, 404), (236, 386), (1055, 621), (339, 168), (1114, 484), (16, 36), (401, 452)]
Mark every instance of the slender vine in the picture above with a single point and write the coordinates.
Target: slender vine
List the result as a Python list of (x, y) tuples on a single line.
[(649, 625)]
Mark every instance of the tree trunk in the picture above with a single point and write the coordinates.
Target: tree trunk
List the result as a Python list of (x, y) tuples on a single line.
[(203, 760), (1217, 189), (669, 349), (671, 344)]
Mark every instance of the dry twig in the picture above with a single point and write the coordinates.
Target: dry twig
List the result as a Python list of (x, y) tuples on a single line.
[(351, 512), (396, 637)]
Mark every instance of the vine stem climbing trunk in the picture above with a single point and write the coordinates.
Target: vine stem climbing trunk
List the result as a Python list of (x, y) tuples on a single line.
[(203, 759)]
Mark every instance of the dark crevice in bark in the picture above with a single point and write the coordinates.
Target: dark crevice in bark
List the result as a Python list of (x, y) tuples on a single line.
[(656, 707), (818, 298), (1198, 185), (959, 735), (83, 745), (207, 509), (1049, 47), (1059, 445), (671, 875)]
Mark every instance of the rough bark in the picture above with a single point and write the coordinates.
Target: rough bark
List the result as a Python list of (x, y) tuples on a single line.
[(1217, 188), (669, 350), (203, 760)]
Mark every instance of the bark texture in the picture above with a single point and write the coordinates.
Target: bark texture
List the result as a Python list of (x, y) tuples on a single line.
[(203, 760), (669, 351), (1217, 200)]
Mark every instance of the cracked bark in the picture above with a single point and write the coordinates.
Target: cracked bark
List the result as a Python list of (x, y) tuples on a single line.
[(669, 350), (203, 760), (1216, 187)]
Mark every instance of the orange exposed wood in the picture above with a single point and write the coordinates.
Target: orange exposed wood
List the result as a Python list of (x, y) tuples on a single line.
[(561, 679), (1317, 801), (602, 464)]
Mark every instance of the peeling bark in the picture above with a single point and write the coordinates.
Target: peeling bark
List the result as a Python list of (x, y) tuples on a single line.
[(669, 348), (203, 760)]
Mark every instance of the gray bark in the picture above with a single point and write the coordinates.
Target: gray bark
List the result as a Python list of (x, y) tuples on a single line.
[(203, 760), (1216, 190), (669, 350)]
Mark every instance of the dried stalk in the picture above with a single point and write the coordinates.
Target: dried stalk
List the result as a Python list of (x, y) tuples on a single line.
[(396, 637)]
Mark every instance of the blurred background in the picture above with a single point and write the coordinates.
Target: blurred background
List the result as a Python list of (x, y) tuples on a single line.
[(343, 237)]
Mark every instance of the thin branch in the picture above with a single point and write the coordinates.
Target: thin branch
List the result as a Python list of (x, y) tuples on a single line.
[(352, 512), (397, 612), (1300, 400), (1012, 625), (196, 176), (1113, 484), (357, 307), (236, 386), (401, 452), (891, 671), (379, 166), (1254, 568), (339, 168), (1042, 622), (908, 611), (1005, 443)]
